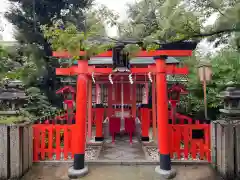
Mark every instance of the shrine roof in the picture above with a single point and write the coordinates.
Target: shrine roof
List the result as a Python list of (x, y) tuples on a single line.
[(138, 60)]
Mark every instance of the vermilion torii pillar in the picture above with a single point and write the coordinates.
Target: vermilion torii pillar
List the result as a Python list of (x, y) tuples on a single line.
[(162, 119), (79, 135)]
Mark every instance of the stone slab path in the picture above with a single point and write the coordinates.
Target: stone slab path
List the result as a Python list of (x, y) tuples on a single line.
[(59, 172), (122, 150)]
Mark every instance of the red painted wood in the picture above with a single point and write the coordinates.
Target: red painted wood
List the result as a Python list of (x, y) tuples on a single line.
[(99, 121), (43, 135), (50, 142), (74, 70), (183, 133), (58, 143), (126, 94), (134, 100), (66, 145), (110, 100), (162, 108), (186, 142), (145, 121), (36, 142), (117, 88), (179, 133)]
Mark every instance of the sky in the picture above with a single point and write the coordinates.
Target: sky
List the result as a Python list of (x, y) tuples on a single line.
[(119, 6)]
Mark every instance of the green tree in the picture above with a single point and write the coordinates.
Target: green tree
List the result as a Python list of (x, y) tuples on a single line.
[(27, 17), (225, 67), (93, 39), (175, 20), (38, 105)]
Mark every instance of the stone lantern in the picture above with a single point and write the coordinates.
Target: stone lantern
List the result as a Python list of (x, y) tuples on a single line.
[(225, 134), (231, 98)]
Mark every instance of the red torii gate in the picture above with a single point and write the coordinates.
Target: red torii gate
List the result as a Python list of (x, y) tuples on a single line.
[(160, 69)]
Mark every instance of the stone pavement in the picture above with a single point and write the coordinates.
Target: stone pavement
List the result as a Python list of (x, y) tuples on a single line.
[(122, 150), (59, 172)]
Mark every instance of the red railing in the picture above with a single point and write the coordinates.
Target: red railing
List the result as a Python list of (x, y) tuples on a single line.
[(181, 119), (191, 140), (52, 142)]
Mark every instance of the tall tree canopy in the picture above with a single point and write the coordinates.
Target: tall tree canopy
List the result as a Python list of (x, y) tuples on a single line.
[(28, 16), (175, 20)]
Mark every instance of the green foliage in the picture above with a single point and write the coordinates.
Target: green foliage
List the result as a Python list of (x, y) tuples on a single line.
[(175, 20), (159, 20), (225, 68), (37, 68), (13, 119), (66, 36), (38, 104)]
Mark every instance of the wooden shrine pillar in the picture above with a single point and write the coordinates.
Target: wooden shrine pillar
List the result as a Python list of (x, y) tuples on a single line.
[(154, 113), (89, 109), (134, 100), (162, 120), (99, 115), (145, 116), (110, 100), (79, 138)]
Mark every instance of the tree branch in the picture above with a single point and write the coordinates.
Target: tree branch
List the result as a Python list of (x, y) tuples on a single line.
[(209, 34)]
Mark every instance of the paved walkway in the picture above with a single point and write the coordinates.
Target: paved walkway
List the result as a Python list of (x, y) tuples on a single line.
[(59, 172), (122, 150)]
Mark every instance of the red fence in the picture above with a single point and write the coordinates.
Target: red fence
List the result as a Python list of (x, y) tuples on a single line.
[(180, 118), (52, 142), (191, 140), (188, 141)]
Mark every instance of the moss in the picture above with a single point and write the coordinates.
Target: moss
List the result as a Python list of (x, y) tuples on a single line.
[(12, 119)]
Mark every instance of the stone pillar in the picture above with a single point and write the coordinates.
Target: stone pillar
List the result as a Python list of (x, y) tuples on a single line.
[(226, 136)]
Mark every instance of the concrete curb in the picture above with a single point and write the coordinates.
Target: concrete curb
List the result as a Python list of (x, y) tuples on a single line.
[(125, 162)]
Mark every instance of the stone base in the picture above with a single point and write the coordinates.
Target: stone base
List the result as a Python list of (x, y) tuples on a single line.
[(75, 174), (166, 174), (99, 139), (145, 139)]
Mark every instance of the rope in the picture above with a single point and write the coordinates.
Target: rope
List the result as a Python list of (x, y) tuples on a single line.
[(93, 79), (110, 78), (130, 78), (150, 77)]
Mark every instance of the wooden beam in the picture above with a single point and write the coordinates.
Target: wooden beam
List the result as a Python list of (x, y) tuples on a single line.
[(171, 69), (67, 71)]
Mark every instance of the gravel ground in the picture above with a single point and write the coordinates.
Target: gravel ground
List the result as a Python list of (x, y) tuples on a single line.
[(91, 153), (153, 154)]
